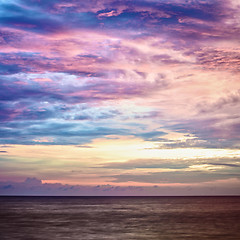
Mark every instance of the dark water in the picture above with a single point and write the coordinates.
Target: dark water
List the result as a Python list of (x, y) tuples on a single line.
[(30, 218)]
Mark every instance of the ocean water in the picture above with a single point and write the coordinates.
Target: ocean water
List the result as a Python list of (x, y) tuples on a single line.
[(30, 218)]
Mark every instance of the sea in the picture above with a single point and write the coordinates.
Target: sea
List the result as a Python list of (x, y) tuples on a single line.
[(119, 218)]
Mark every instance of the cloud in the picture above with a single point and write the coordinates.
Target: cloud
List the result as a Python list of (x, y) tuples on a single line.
[(28, 19), (146, 163), (32, 182), (174, 171), (33, 106), (60, 133), (177, 177), (35, 187), (210, 132), (232, 99), (172, 164), (179, 18), (151, 136), (84, 146), (164, 73), (211, 58)]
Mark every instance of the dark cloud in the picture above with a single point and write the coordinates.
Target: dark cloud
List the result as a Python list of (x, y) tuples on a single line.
[(176, 177), (54, 133), (98, 116), (32, 181), (176, 171), (84, 146), (144, 16), (172, 164), (206, 142), (9, 69), (11, 93), (226, 164), (218, 59), (34, 186), (147, 163), (28, 19), (151, 136), (209, 133)]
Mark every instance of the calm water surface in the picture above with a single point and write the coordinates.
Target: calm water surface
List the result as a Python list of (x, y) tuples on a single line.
[(30, 218)]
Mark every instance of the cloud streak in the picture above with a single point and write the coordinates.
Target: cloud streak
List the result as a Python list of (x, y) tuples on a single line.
[(35, 187)]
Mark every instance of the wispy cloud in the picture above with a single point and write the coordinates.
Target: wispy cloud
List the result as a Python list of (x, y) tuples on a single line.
[(175, 171)]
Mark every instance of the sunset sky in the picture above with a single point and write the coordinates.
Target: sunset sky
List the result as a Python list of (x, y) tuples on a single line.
[(122, 95)]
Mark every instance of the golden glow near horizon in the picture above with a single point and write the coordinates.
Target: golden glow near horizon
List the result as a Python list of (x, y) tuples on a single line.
[(83, 164)]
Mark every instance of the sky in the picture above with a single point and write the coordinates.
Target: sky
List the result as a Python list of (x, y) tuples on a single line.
[(110, 97)]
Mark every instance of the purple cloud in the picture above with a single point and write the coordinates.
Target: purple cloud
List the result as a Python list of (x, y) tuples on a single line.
[(35, 187)]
